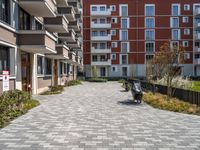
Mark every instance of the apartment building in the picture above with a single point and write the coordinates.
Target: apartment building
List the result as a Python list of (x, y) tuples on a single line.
[(40, 42), (121, 36)]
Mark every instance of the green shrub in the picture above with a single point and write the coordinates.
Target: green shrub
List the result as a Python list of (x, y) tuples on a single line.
[(14, 104), (74, 82), (173, 104), (57, 89), (121, 81), (97, 80)]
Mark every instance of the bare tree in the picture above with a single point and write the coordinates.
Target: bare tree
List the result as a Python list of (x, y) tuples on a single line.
[(167, 63)]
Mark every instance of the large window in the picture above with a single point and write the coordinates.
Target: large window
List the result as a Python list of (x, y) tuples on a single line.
[(61, 68), (48, 66), (124, 35), (175, 22), (150, 34), (4, 59), (124, 47), (24, 23), (124, 59), (125, 23), (65, 68), (175, 34), (5, 11), (150, 10), (124, 10), (175, 9), (150, 46), (40, 66), (150, 22)]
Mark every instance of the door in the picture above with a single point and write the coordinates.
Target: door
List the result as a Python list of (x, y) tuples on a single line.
[(102, 71), (26, 74), (55, 72), (124, 71)]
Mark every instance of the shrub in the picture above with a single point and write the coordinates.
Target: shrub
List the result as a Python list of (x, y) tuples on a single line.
[(97, 80), (163, 102), (57, 89), (121, 81), (13, 104), (74, 82)]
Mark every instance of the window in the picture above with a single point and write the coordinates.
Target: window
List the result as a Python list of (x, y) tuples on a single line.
[(48, 66), (103, 33), (113, 32), (174, 44), (94, 33), (5, 11), (94, 8), (102, 8), (68, 68), (114, 68), (113, 56), (65, 68), (124, 47), (186, 7), (40, 66), (102, 45), (4, 59), (150, 22), (124, 35), (95, 45), (94, 21), (102, 21), (124, 71), (114, 20), (149, 58), (150, 34), (150, 46), (124, 10), (114, 44), (125, 23), (24, 23), (185, 44), (113, 8), (174, 22), (185, 19), (187, 56), (61, 68), (124, 59), (103, 58), (186, 31), (94, 58), (175, 34), (150, 10), (175, 9)]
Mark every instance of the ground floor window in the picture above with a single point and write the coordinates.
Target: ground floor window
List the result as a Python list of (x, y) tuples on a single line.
[(40, 66), (48, 66), (65, 68), (102, 71), (4, 59), (124, 71)]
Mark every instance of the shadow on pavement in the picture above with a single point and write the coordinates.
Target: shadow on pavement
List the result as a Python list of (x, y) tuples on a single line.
[(128, 102)]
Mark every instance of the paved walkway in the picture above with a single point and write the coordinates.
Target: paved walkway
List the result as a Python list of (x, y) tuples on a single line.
[(99, 115)]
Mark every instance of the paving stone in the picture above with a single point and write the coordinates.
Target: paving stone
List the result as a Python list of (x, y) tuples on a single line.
[(98, 116)]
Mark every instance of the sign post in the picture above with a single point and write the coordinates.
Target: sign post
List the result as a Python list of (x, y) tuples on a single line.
[(5, 80)]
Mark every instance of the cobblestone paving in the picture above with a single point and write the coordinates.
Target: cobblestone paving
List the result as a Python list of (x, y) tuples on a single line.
[(99, 116)]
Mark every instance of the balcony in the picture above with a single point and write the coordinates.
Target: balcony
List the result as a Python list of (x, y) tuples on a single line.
[(100, 25), (37, 41), (101, 62), (101, 13), (100, 51), (197, 11), (101, 38), (39, 8), (69, 13), (197, 25), (68, 37), (72, 57), (75, 4), (197, 61), (197, 36), (62, 52), (61, 3), (75, 26), (74, 45), (58, 24), (197, 49)]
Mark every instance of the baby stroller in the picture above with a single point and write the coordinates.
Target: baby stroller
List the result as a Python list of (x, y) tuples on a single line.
[(136, 91)]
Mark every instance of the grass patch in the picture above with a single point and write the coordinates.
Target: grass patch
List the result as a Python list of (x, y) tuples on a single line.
[(74, 82), (97, 80), (58, 89), (14, 104), (173, 104), (196, 86)]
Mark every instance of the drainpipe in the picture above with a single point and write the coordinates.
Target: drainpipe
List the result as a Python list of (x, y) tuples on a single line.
[(137, 35)]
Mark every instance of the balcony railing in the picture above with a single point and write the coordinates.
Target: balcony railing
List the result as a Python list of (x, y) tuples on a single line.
[(101, 37), (100, 25), (100, 50), (197, 61), (99, 62), (197, 36), (106, 12)]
